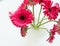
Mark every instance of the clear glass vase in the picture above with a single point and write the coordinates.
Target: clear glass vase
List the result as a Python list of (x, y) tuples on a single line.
[(35, 38)]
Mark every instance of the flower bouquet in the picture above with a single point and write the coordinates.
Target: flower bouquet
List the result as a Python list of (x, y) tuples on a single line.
[(25, 18)]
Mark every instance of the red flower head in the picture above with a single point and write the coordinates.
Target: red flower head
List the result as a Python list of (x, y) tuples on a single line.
[(52, 33), (31, 2), (21, 17), (34, 2), (50, 11)]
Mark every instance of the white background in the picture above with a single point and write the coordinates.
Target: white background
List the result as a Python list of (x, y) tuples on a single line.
[(10, 35)]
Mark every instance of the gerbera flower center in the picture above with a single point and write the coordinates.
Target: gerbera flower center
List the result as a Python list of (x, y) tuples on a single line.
[(22, 17), (49, 9)]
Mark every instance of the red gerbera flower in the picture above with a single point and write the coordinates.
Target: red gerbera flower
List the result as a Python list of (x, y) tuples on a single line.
[(52, 33), (21, 17), (31, 2), (34, 2), (50, 11)]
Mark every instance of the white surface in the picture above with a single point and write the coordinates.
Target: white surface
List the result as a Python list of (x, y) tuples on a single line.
[(10, 35)]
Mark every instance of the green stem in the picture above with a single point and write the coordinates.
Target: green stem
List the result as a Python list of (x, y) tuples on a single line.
[(41, 21), (33, 14), (39, 13), (45, 18), (48, 22), (45, 29)]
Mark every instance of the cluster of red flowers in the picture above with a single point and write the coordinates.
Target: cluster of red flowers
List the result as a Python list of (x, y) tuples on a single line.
[(23, 16)]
